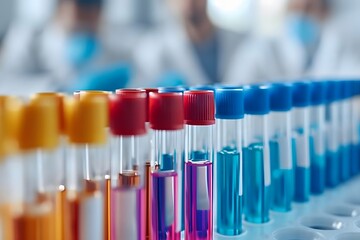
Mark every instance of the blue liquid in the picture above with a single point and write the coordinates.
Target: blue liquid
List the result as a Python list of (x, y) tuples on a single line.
[(302, 179), (167, 162), (282, 181), (345, 161), (256, 194), (332, 169), (354, 159), (229, 198), (317, 166)]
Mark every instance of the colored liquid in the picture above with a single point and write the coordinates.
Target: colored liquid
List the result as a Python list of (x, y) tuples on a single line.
[(332, 169), (164, 202), (198, 200), (282, 181), (345, 162), (127, 214), (355, 164), (6, 223), (229, 192), (301, 176), (107, 213), (59, 214), (318, 167), (256, 192), (147, 200)]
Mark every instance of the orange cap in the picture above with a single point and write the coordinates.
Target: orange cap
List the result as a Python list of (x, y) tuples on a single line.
[(39, 124), (86, 119), (10, 109), (59, 98)]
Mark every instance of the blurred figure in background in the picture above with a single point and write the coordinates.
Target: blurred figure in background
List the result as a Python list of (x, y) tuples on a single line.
[(69, 47), (189, 50)]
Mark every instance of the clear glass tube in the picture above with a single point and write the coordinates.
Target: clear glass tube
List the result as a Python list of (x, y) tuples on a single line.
[(228, 177), (355, 136), (198, 182), (282, 173), (317, 149), (167, 184), (127, 189), (257, 172), (345, 139), (85, 192), (332, 144), (301, 153)]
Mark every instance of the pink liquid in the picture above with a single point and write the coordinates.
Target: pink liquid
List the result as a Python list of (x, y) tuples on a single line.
[(127, 213), (164, 202), (198, 200)]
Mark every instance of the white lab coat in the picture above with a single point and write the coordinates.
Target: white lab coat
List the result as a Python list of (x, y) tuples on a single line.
[(169, 49)]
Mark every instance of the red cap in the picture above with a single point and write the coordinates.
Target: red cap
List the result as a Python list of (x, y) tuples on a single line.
[(199, 107), (166, 111), (127, 112), (148, 91)]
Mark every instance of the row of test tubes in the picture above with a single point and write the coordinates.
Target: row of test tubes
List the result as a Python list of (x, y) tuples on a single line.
[(171, 163)]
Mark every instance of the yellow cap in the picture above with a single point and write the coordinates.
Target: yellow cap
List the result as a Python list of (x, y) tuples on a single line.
[(86, 119), (59, 98), (10, 109), (39, 124)]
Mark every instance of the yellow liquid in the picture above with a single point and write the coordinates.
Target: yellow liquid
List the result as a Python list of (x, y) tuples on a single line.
[(7, 224), (107, 210)]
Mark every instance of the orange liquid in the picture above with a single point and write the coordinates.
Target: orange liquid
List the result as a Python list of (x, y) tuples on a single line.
[(107, 209), (6, 221), (147, 200), (129, 179), (59, 214)]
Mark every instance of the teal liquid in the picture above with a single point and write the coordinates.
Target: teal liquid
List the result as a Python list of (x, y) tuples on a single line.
[(256, 194), (318, 167), (345, 162), (332, 169), (282, 181), (229, 198), (301, 178)]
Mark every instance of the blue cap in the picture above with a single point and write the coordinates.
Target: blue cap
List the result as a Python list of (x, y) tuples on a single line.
[(332, 91), (318, 92), (229, 103), (301, 94), (257, 99), (281, 97), (178, 89), (204, 88), (345, 89)]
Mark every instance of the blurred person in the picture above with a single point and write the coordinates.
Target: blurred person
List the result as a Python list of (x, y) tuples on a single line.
[(189, 49), (69, 47)]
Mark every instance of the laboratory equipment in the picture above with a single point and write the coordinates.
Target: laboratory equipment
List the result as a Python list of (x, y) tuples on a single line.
[(228, 182), (355, 132), (257, 172), (199, 119), (167, 122), (38, 141), (86, 190), (282, 173), (300, 140), (127, 124), (317, 136)]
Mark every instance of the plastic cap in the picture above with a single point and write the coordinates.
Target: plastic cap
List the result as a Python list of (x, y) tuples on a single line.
[(59, 99), (318, 92), (257, 99), (148, 91), (39, 124), (166, 111), (301, 94), (128, 113), (229, 103), (345, 89), (86, 119), (199, 107), (281, 97), (204, 88), (332, 91)]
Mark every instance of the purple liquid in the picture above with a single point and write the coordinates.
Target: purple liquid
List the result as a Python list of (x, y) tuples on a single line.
[(127, 213), (164, 202), (198, 200)]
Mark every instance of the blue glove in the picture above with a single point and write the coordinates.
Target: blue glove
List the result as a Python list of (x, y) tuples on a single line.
[(171, 79), (109, 79)]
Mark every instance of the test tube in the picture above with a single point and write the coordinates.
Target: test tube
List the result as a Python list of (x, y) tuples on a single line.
[(257, 172), (167, 123), (345, 130), (332, 134), (300, 140), (228, 161), (199, 120), (317, 137), (127, 123), (10, 166), (38, 142), (356, 108), (86, 122), (282, 173), (355, 133)]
